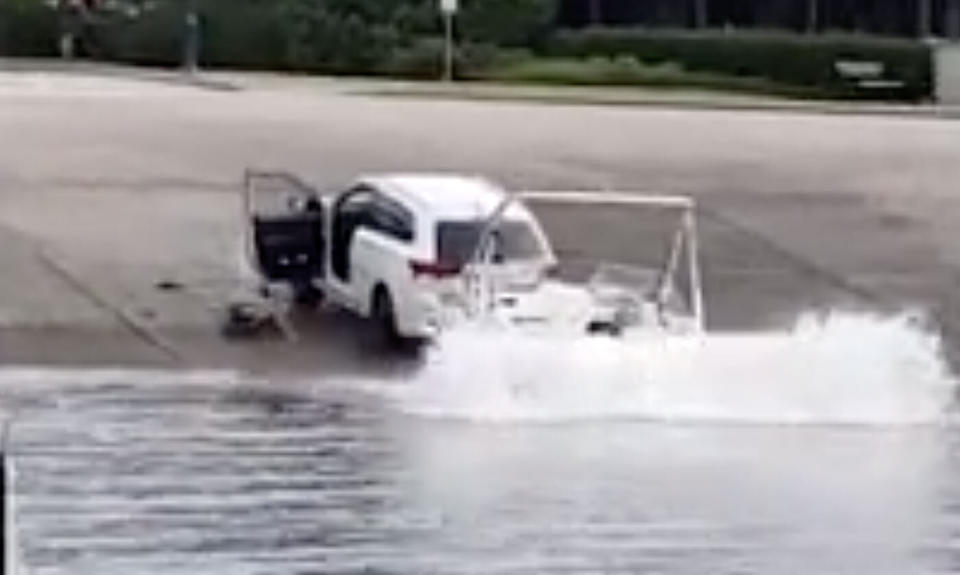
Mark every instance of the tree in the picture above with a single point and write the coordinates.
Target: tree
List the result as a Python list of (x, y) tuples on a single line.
[(507, 22)]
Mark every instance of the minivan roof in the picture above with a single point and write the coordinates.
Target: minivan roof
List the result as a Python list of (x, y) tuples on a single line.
[(443, 196)]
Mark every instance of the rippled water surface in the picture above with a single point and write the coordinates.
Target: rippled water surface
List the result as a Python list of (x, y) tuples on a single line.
[(210, 473), (184, 476)]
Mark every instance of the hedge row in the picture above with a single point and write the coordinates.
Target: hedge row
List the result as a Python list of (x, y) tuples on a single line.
[(27, 28), (245, 35), (627, 71), (789, 60)]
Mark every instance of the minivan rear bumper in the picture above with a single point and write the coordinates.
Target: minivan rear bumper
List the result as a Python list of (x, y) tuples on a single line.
[(421, 316)]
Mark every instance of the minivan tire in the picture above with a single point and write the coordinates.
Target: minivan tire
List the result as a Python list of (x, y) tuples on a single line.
[(384, 319)]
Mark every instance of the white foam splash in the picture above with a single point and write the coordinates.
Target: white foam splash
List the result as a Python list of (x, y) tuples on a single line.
[(842, 369)]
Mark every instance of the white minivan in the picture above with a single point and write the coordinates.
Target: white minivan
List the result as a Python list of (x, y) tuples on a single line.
[(392, 248)]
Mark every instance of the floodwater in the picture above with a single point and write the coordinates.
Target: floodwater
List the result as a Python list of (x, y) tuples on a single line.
[(828, 449)]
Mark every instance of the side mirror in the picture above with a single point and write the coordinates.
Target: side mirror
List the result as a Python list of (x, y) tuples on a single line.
[(313, 205)]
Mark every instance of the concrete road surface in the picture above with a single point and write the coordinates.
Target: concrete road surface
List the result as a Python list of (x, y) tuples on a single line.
[(115, 186)]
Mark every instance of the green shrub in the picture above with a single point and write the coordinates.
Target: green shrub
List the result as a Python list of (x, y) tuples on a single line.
[(423, 59), (506, 22), (28, 28), (251, 35), (786, 59), (152, 37), (628, 71), (321, 40), (476, 60), (242, 35), (232, 34), (329, 36)]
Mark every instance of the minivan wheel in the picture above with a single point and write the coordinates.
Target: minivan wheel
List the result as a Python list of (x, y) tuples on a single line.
[(384, 319)]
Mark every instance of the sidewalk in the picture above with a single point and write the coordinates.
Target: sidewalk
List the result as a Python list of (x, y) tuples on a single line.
[(546, 94), (666, 98), (111, 70)]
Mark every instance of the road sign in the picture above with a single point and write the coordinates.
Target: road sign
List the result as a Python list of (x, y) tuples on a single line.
[(449, 6)]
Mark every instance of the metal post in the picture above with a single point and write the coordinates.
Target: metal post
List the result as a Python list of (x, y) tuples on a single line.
[(673, 262), (693, 260), (448, 45), (191, 42)]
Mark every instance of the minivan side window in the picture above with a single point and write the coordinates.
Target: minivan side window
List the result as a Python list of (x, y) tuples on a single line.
[(392, 219), (357, 201)]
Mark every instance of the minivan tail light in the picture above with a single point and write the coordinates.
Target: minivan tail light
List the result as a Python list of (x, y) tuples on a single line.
[(433, 270)]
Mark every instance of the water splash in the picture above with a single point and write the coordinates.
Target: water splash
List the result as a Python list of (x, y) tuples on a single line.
[(841, 369)]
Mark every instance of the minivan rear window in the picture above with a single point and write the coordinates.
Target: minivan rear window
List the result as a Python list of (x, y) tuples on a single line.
[(514, 240)]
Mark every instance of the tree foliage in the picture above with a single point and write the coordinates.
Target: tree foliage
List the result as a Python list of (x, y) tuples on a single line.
[(27, 28), (337, 36), (784, 58), (329, 35), (507, 22), (887, 17)]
